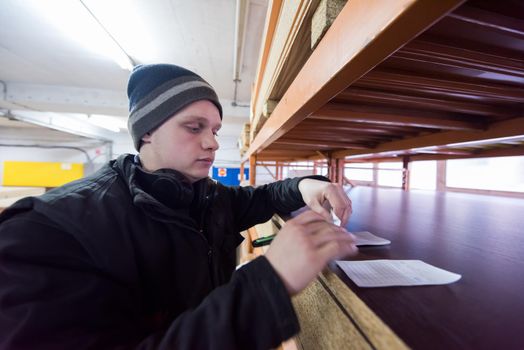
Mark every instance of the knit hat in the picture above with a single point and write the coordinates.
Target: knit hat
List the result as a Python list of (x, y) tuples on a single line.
[(157, 91)]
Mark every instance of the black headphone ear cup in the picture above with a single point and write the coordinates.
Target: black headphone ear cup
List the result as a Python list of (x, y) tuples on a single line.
[(169, 190)]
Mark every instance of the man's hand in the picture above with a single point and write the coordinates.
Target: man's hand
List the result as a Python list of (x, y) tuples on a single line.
[(304, 246), (319, 195)]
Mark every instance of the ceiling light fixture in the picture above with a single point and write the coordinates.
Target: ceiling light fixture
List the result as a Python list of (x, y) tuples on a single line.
[(113, 123), (75, 19), (127, 20), (487, 141)]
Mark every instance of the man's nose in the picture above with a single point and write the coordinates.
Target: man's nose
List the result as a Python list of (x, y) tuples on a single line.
[(210, 141)]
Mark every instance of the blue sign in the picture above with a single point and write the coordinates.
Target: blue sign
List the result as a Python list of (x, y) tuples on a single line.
[(229, 176)]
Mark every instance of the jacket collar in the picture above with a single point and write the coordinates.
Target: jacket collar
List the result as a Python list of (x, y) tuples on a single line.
[(164, 193)]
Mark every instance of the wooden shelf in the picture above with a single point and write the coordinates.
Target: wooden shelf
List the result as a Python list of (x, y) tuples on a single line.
[(415, 78)]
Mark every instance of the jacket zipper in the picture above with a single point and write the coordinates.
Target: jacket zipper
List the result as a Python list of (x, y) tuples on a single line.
[(209, 247)]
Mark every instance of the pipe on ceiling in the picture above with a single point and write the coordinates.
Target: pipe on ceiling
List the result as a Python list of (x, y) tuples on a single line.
[(240, 30), (242, 7)]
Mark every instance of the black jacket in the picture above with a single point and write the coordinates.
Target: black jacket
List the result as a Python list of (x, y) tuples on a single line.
[(125, 259)]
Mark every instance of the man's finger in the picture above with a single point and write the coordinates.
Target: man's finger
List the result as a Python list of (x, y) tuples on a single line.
[(343, 214), (319, 209), (336, 249), (333, 235), (307, 217)]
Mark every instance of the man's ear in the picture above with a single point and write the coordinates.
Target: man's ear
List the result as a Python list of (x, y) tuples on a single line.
[(146, 138)]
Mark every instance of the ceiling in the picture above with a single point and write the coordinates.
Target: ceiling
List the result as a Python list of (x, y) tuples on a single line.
[(43, 69)]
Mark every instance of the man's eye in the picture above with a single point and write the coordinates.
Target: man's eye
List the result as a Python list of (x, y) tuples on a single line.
[(194, 129)]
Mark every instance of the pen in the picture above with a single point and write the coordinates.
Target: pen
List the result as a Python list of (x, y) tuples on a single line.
[(259, 242)]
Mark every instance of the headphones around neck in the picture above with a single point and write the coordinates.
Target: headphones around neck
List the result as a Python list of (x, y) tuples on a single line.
[(169, 186)]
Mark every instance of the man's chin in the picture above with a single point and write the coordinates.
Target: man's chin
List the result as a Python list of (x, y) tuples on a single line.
[(194, 177)]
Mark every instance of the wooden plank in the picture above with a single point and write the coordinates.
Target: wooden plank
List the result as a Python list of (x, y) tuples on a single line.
[(440, 103), (296, 51), (323, 325), (290, 20), (351, 47), (245, 249), (323, 17), (382, 129), (259, 121), (269, 30), (319, 143), (370, 115), (252, 170), (512, 127), (9, 195), (379, 334), (504, 24), (332, 317), (327, 134), (484, 91), (20, 192), (457, 57), (480, 153)]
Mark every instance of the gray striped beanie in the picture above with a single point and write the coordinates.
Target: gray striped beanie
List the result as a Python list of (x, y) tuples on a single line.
[(157, 91)]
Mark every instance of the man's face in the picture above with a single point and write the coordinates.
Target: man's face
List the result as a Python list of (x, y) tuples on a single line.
[(186, 142)]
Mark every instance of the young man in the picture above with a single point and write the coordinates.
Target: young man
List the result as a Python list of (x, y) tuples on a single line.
[(142, 253)]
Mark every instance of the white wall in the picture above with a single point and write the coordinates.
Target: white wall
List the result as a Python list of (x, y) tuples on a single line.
[(227, 156)]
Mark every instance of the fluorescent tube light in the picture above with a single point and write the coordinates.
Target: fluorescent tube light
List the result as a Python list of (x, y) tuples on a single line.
[(109, 122), (126, 21), (487, 141), (77, 21)]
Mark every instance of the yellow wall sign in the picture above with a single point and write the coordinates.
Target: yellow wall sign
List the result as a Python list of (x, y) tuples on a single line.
[(40, 174)]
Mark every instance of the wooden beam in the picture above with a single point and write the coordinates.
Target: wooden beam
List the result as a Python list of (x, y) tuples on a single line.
[(413, 154), (284, 155), (447, 152), (330, 133), (339, 136), (242, 171), (481, 153), (344, 126), (340, 170), (405, 172), (420, 84), (440, 54), (512, 127), (253, 170), (365, 115), (494, 152), (441, 176), (275, 177), (435, 104), (322, 143), (284, 159), (503, 24), (331, 168), (352, 46)]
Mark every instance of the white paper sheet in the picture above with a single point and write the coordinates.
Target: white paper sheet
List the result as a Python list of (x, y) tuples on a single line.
[(386, 273), (367, 238)]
